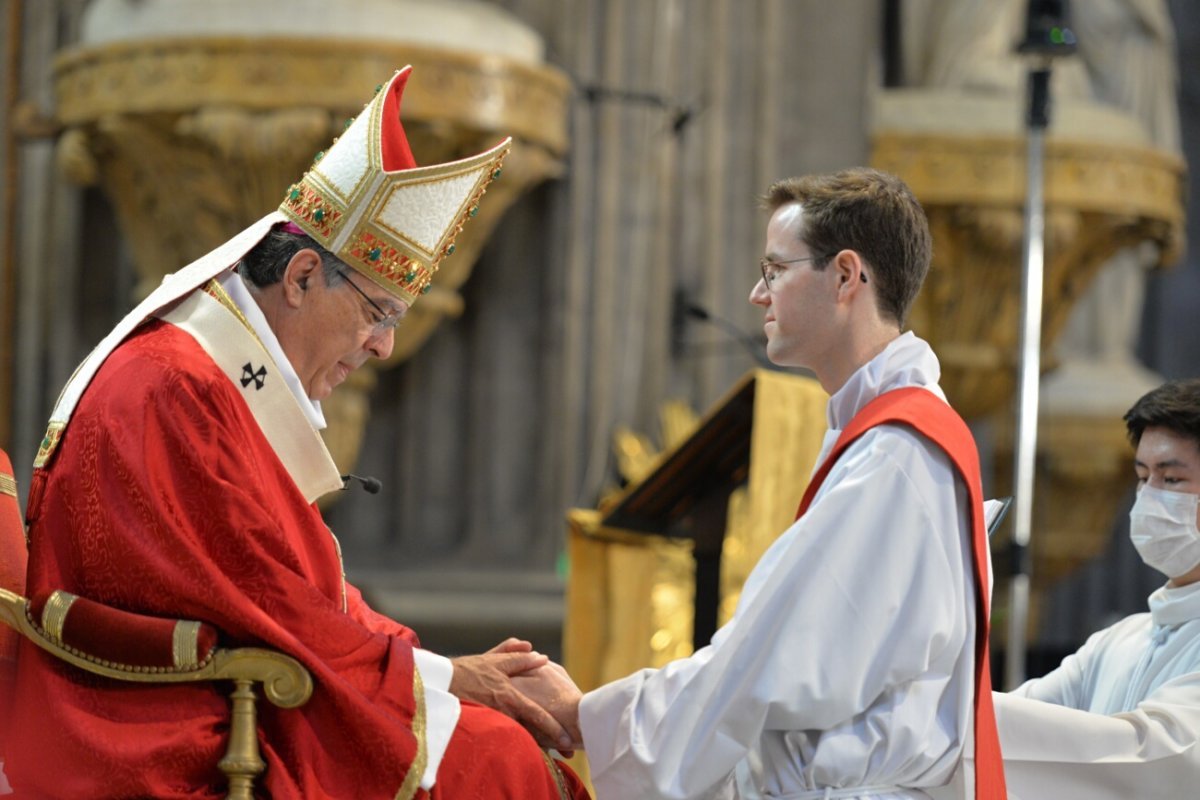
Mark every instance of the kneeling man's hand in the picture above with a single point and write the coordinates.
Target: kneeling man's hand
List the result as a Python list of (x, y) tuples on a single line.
[(552, 688)]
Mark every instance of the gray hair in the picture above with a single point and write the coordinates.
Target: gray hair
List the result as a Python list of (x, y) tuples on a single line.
[(266, 262)]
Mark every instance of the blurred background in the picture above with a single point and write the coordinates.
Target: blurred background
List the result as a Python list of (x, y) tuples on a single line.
[(598, 305)]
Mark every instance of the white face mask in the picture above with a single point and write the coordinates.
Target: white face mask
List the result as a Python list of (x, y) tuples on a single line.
[(1162, 526)]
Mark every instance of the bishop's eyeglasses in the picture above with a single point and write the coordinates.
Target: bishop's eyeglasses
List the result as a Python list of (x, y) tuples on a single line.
[(385, 321)]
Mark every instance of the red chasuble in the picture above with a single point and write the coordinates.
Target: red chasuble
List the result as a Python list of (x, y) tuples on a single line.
[(165, 498), (935, 420)]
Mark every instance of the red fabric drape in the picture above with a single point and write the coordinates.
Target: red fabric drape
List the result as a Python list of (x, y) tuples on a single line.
[(12, 577), (491, 757)]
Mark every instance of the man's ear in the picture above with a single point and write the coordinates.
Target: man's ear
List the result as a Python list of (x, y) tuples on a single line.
[(850, 271), (298, 276)]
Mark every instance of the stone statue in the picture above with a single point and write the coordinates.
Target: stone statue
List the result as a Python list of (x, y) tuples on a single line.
[(1126, 61)]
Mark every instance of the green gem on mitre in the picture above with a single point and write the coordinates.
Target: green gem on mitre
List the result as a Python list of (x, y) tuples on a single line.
[(375, 254), (425, 289), (450, 249), (320, 154), (496, 174), (45, 442), (410, 276), (318, 215), (294, 194), (474, 210)]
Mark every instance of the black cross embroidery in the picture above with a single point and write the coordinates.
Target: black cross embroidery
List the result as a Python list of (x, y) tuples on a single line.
[(248, 374)]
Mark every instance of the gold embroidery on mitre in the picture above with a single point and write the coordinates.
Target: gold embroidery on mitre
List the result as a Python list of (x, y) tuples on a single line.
[(185, 644), (54, 613), (346, 208), (310, 207), (382, 262), (395, 258), (48, 444), (8, 484)]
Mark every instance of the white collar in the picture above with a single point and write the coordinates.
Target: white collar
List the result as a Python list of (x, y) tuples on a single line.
[(1175, 605), (906, 361), (234, 284)]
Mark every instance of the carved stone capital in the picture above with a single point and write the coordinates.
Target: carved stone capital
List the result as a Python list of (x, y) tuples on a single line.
[(1100, 197)]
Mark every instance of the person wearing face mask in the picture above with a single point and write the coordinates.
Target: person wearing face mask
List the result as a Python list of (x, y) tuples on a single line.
[(1120, 718)]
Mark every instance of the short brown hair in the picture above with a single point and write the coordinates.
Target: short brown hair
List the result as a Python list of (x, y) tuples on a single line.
[(1175, 406), (873, 213)]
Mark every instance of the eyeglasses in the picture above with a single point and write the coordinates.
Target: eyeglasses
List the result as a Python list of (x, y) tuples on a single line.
[(385, 321), (770, 269)]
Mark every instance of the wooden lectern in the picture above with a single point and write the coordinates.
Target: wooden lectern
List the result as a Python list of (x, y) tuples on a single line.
[(658, 567)]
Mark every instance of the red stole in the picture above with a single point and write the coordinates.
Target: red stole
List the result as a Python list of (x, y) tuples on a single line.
[(935, 420)]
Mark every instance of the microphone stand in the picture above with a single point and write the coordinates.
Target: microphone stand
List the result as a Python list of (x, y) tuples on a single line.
[(1047, 35), (683, 309)]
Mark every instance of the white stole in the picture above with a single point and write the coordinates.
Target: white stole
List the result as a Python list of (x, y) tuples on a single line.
[(236, 350)]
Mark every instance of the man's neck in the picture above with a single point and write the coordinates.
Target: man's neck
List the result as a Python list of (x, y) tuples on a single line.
[(1186, 579), (858, 351)]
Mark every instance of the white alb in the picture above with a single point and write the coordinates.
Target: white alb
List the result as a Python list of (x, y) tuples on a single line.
[(846, 670)]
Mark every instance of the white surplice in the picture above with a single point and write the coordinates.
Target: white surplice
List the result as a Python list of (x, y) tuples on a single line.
[(1118, 719), (848, 663)]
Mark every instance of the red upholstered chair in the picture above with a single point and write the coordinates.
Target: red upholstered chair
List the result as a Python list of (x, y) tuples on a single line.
[(134, 647)]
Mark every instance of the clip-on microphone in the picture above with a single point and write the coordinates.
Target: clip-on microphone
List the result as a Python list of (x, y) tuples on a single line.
[(370, 485)]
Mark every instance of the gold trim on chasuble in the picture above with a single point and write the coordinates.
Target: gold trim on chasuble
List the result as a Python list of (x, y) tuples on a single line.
[(416, 770), (185, 644), (54, 613), (337, 545), (559, 780), (8, 484), (54, 432)]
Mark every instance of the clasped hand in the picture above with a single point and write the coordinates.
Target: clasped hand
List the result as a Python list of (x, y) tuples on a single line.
[(525, 685)]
